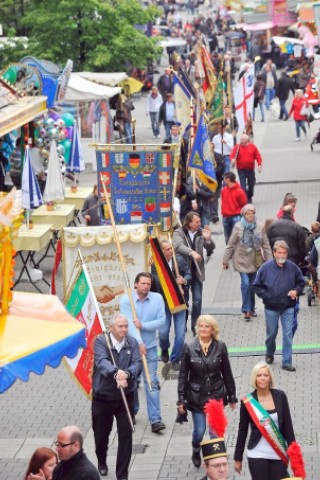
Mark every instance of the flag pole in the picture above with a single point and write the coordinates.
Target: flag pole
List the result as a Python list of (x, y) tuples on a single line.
[(106, 336), (186, 240), (125, 274)]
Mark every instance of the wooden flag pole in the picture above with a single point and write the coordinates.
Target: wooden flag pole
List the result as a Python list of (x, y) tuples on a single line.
[(125, 274)]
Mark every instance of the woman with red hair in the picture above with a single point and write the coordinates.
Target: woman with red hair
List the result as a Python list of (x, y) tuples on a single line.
[(41, 465)]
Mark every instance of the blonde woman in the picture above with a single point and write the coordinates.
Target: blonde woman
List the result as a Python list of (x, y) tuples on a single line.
[(205, 373), (297, 104), (266, 411)]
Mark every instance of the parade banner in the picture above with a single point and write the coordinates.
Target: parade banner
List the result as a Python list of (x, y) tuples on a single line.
[(139, 179), (243, 98), (100, 255), (201, 157), (81, 304), (182, 99), (209, 76)]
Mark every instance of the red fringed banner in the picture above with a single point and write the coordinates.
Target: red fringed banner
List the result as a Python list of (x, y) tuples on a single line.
[(167, 281)]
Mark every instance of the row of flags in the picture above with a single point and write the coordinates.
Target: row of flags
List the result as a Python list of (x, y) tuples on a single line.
[(209, 101)]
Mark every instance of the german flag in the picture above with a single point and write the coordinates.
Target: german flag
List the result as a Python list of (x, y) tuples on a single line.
[(170, 288)]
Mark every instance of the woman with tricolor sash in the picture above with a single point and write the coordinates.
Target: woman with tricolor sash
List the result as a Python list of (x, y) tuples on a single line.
[(267, 412)]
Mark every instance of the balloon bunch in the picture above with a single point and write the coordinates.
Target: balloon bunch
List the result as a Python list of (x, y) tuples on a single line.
[(58, 128)]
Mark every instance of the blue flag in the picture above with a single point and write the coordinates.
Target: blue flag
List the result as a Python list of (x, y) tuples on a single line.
[(201, 157)]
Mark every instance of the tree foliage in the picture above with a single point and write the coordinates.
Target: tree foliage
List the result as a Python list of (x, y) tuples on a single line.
[(97, 35)]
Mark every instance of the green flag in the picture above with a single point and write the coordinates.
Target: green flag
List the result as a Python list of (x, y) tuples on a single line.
[(216, 110)]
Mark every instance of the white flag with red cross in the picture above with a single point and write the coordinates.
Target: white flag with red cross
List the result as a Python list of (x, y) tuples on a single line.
[(243, 98)]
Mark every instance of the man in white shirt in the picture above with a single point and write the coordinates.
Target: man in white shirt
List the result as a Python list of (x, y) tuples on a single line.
[(223, 144)]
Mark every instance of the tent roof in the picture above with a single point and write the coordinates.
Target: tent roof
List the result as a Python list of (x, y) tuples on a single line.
[(20, 112), (109, 79), (80, 90), (255, 27)]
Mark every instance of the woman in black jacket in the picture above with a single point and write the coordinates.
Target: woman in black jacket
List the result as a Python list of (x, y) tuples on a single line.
[(205, 373), (264, 461)]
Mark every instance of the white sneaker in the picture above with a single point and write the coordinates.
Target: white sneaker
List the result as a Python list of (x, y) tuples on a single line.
[(298, 139)]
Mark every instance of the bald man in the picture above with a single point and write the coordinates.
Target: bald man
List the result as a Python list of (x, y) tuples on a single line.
[(74, 464)]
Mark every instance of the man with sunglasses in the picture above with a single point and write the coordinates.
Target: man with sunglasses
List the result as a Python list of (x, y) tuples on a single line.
[(73, 464)]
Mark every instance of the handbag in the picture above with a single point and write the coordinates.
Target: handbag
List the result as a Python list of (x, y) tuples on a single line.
[(304, 110), (259, 260)]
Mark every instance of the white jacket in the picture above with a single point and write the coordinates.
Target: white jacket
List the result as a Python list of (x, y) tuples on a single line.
[(154, 104)]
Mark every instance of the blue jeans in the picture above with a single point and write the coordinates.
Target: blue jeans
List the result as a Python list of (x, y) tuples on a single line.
[(167, 127), (154, 117), (248, 299), (283, 109), (196, 290), (179, 322), (269, 95), (128, 132), (272, 324), (199, 428), (247, 181), (228, 224), (300, 124), (153, 397)]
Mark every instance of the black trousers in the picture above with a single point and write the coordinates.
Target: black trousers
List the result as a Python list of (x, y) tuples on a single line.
[(103, 412), (262, 469)]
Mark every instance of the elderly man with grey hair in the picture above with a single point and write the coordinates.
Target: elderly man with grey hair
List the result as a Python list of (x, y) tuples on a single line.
[(244, 155), (117, 365), (279, 282)]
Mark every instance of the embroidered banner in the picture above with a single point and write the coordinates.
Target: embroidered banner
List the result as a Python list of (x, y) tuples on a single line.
[(139, 182)]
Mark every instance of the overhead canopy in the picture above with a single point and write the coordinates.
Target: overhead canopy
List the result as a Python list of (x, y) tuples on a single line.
[(20, 112), (173, 42), (80, 90), (110, 79), (255, 27), (282, 40)]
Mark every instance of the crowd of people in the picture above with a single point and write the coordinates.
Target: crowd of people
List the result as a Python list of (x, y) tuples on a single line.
[(271, 258)]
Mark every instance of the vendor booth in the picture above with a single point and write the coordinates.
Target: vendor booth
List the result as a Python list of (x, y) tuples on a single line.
[(90, 102)]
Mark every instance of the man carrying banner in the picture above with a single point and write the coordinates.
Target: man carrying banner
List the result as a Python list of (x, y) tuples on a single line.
[(117, 365), (189, 241), (150, 311), (183, 277), (244, 155)]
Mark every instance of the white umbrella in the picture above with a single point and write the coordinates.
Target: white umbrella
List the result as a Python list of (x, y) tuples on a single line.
[(31, 194), (54, 189)]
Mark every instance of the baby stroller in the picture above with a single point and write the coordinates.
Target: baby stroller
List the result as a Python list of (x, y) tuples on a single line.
[(316, 139)]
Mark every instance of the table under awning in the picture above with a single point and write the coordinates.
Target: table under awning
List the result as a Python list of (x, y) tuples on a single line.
[(20, 112)]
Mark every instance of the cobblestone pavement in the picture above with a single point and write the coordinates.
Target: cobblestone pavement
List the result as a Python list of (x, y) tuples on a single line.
[(31, 413)]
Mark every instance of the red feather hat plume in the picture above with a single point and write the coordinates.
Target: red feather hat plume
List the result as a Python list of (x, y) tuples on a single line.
[(296, 460), (217, 419)]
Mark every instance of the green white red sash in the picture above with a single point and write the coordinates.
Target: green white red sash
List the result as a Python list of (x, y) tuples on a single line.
[(266, 426)]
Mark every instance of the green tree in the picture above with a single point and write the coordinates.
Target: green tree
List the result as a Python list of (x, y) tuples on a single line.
[(97, 35)]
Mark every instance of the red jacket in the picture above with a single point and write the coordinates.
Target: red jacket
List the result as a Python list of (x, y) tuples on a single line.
[(296, 106), (246, 157), (232, 200)]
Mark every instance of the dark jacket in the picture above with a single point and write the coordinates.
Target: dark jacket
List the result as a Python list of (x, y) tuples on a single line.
[(91, 207), (293, 234), (128, 359), (259, 89), (77, 467), (183, 245), (285, 424), (203, 377), (163, 112), (284, 86), (273, 283), (184, 271)]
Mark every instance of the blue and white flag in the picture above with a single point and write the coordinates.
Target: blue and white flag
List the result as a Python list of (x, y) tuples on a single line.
[(201, 157), (182, 98), (76, 161), (31, 194)]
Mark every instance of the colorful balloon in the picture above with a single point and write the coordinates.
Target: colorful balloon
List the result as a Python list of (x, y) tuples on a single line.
[(67, 149), (68, 119), (39, 142), (69, 133)]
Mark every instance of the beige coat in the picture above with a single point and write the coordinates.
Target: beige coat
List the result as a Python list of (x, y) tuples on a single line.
[(242, 260)]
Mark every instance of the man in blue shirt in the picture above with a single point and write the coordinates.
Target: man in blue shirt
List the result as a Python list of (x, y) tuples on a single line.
[(150, 312)]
